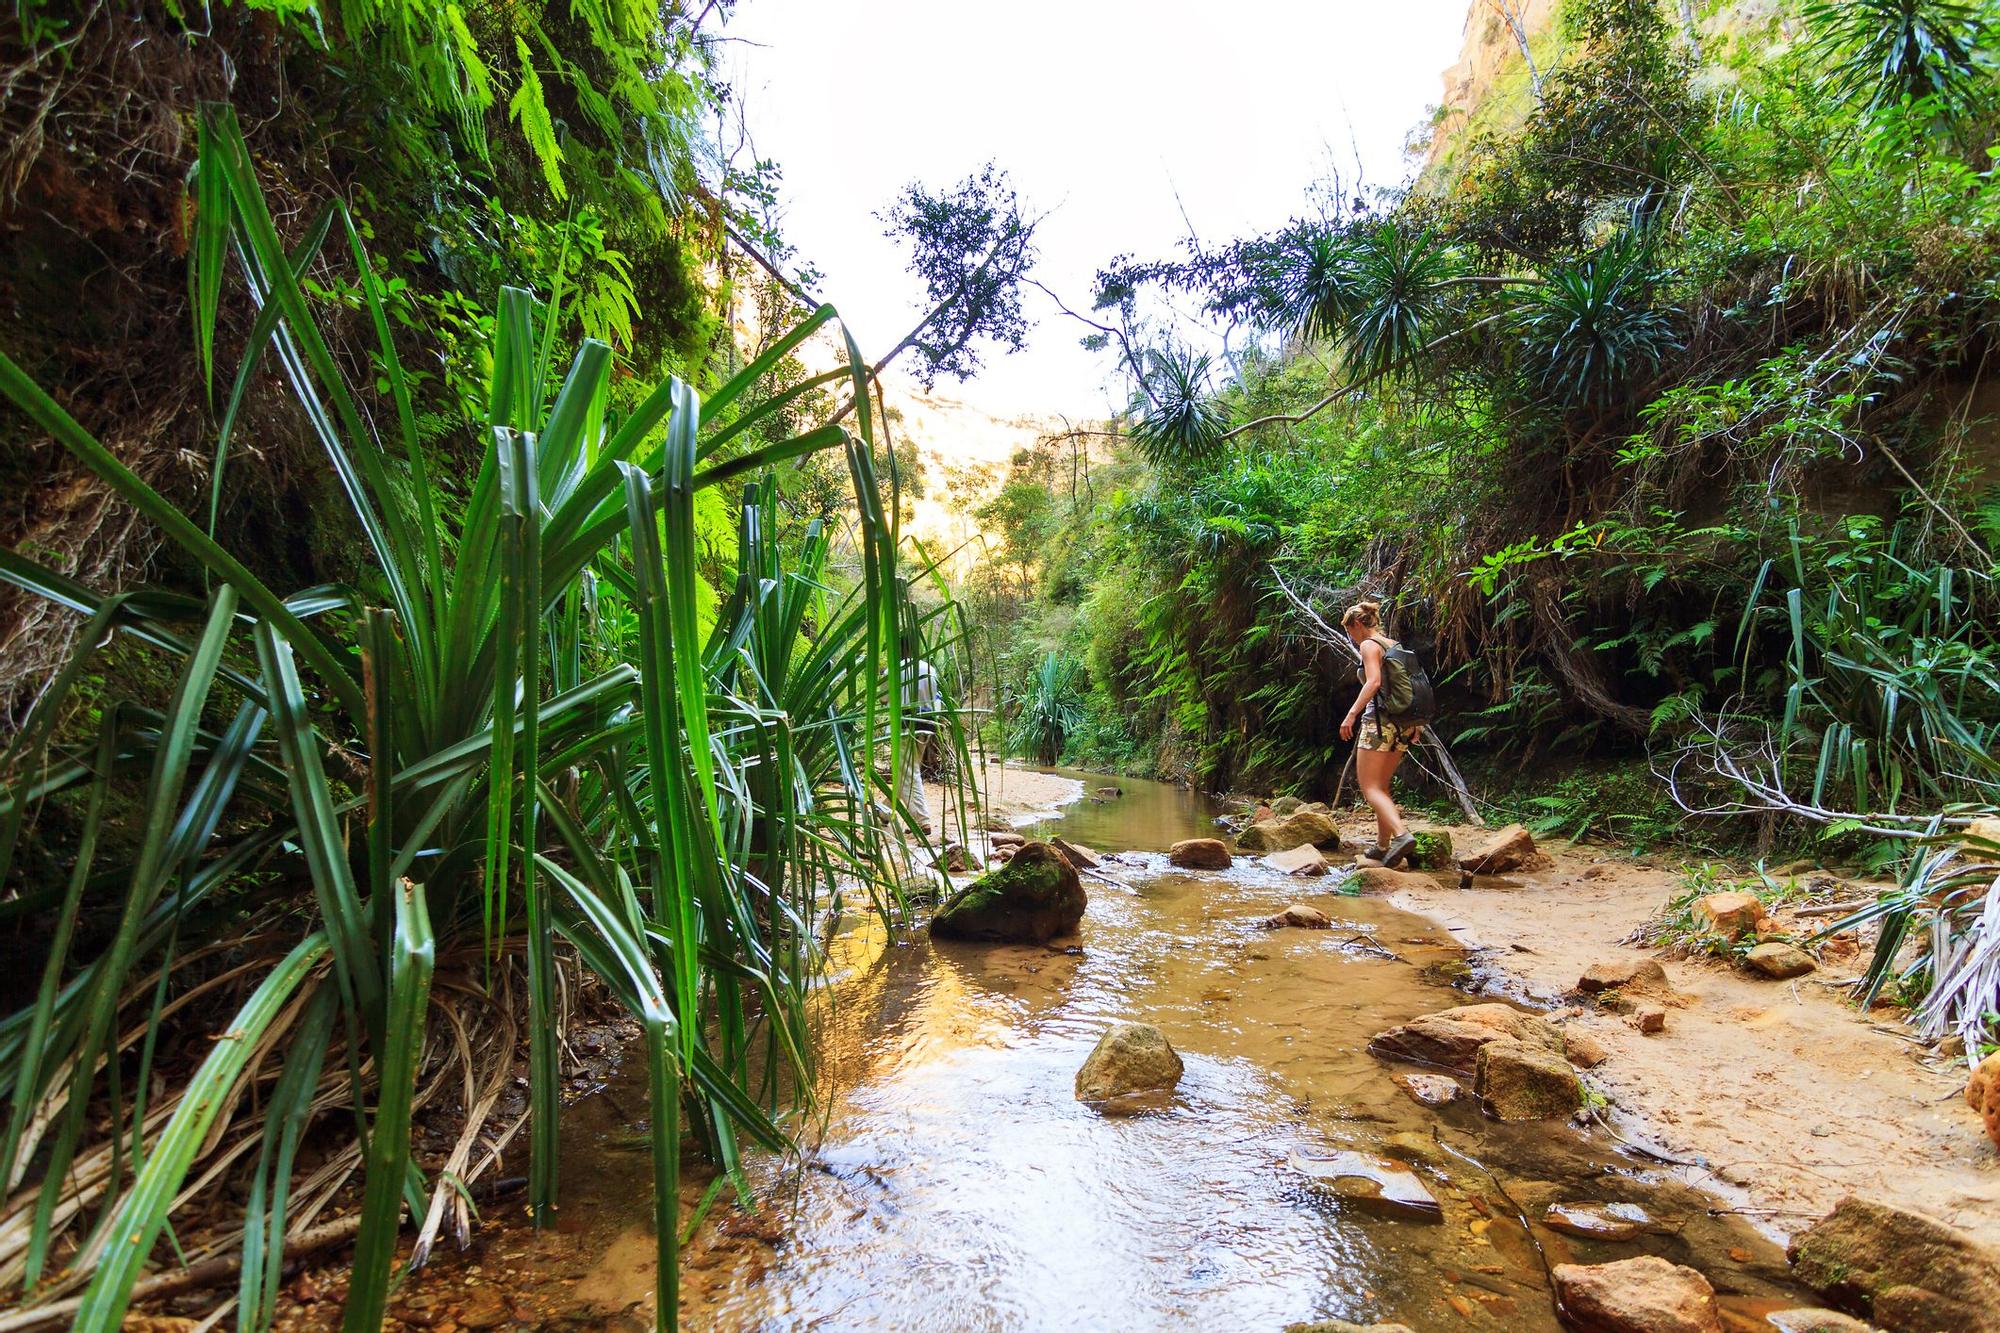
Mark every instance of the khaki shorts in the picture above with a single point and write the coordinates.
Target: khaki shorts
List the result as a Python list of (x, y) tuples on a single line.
[(1379, 733)]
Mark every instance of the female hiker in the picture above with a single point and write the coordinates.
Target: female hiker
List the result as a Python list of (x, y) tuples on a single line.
[(1392, 707), (921, 702)]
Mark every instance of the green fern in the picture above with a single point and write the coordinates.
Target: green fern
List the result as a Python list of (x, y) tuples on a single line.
[(530, 110)]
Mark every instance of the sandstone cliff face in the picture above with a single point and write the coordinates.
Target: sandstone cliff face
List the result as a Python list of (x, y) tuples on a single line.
[(1490, 86), (1489, 58)]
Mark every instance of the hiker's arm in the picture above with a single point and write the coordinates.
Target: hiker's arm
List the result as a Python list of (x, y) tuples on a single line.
[(1371, 681)]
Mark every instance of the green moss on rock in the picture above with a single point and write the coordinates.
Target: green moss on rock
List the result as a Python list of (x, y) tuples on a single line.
[(1432, 852), (1519, 1080), (1901, 1269), (1031, 899)]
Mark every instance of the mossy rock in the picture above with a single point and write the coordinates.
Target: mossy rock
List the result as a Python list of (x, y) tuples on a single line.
[(1901, 1269), (1518, 1080), (1031, 899), (1432, 852)]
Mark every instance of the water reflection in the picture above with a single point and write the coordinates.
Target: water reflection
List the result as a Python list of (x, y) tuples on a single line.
[(957, 1184)]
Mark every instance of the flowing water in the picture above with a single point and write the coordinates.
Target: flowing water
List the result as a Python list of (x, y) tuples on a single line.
[(957, 1183)]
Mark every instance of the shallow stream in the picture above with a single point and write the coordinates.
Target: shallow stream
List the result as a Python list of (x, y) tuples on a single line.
[(959, 1185)]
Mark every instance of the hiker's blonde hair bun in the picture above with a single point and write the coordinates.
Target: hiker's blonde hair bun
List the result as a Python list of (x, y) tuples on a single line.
[(1365, 614)]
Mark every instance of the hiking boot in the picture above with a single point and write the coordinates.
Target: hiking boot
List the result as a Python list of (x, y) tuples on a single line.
[(1398, 850), (1374, 853)]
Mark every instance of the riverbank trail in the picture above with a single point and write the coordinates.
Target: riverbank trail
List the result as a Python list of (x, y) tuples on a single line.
[(1790, 1095)]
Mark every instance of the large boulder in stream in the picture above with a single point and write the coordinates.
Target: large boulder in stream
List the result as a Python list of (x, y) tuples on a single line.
[(1031, 899), (1520, 1080), (1306, 862), (1509, 851), (1643, 1295), (1078, 855), (1907, 1272), (1293, 830), (1301, 915), (1451, 1038), (1200, 854), (1129, 1061)]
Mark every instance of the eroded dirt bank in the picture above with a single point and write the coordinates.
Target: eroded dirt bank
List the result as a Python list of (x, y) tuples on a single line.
[(1781, 1089)]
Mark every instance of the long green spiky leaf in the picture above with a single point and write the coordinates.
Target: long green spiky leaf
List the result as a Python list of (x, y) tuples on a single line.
[(317, 383), (520, 633), (205, 256), (148, 878), (341, 910), (412, 959), (620, 952), (285, 1118), (34, 1047), (673, 830), (261, 332), (144, 1211)]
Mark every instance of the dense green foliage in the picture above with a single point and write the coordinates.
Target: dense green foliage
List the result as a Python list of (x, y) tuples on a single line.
[(1049, 711), (1662, 428), (564, 147), (527, 729), (471, 686)]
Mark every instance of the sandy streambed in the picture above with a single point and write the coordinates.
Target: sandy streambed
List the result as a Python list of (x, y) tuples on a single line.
[(952, 1181)]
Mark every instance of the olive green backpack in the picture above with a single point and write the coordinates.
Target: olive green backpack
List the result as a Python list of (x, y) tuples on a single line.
[(1406, 693)]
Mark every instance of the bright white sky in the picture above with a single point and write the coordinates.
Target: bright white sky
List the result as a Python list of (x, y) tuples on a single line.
[(1125, 122)]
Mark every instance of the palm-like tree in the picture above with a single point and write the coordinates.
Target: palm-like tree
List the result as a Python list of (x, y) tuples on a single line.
[(1176, 420), (1891, 51), (1314, 288), (1050, 709), (1589, 327)]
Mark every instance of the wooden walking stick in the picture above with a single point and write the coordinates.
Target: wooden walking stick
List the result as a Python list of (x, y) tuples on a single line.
[(1337, 638)]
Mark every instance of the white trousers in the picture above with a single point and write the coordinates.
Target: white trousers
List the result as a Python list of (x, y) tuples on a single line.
[(910, 778)]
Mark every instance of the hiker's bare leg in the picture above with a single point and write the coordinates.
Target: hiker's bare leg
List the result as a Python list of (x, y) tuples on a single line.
[(1372, 769)]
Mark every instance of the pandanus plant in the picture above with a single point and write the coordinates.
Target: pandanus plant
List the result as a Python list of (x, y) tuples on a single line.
[(1390, 296), (1050, 708), (378, 813)]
